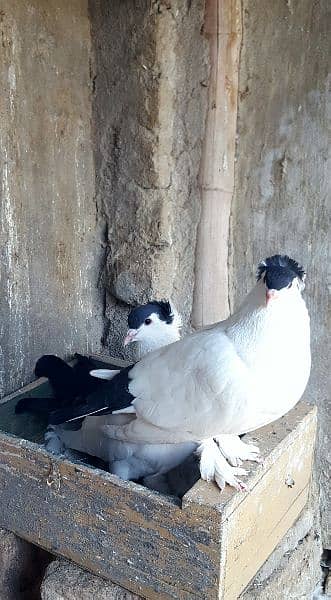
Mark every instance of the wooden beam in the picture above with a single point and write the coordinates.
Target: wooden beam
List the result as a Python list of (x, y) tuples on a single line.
[(224, 32)]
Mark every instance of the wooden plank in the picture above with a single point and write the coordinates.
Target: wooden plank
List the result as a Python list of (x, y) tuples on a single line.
[(223, 30), (28, 389), (29, 427), (113, 528), (254, 529)]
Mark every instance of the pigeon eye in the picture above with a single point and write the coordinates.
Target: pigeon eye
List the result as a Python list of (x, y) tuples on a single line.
[(148, 321)]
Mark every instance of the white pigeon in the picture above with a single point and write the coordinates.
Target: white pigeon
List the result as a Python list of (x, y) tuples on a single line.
[(136, 460), (230, 378), (153, 325)]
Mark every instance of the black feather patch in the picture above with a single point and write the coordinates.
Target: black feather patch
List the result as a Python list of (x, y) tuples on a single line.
[(166, 311), (113, 395), (138, 314), (70, 385), (279, 271)]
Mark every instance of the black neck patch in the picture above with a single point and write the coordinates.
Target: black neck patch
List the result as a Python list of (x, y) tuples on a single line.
[(278, 271), (138, 315)]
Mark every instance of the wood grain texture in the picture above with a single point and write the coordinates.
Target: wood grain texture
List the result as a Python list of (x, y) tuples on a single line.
[(257, 526), (149, 543), (222, 28), (113, 528)]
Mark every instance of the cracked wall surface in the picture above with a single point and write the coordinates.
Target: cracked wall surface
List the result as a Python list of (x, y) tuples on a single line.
[(150, 74), (282, 173), (49, 244)]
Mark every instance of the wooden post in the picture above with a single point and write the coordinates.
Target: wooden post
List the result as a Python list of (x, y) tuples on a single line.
[(223, 29)]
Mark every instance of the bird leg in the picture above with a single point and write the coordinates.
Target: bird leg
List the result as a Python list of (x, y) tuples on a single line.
[(235, 450), (214, 467)]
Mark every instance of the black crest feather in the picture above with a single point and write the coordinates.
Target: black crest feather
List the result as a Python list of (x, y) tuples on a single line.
[(138, 314), (280, 261), (166, 310)]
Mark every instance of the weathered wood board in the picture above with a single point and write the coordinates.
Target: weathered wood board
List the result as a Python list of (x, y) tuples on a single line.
[(208, 547)]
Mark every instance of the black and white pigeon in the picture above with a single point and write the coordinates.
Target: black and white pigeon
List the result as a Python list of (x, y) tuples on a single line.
[(152, 326), (137, 460), (230, 378)]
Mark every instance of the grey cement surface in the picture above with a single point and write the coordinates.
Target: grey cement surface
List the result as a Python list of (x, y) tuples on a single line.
[(49, 239), (282, 191)]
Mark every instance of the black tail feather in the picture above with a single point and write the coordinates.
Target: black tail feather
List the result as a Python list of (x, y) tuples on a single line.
[(76, 393), (111, 396)]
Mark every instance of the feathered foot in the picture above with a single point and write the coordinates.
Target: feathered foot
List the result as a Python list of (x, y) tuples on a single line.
[(213, 467), (53, 442), (235, 451)]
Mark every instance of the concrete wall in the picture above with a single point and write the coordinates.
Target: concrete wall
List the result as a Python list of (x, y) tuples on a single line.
[(282, 172), (49, 242), (150, 77)]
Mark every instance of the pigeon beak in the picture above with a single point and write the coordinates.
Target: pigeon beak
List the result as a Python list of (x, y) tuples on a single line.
[(130, 336), (271, 295)]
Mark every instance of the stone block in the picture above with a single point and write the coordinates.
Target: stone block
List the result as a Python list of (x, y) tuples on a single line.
[(65, 581), (21, 568)]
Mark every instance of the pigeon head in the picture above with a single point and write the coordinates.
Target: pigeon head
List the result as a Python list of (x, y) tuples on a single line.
[(282, 277), (154, 325)]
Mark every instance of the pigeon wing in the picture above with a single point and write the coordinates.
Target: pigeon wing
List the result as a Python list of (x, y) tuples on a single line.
[(190, 385)]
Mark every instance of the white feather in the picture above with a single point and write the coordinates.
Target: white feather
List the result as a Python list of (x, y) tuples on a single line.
[(104, 373), (231, 378), (227, 379)]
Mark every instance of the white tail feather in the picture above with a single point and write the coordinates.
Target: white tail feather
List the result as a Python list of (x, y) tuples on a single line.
[(104, 373)]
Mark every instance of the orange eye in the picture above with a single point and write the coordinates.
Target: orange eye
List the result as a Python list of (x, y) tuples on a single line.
[(148, 321)]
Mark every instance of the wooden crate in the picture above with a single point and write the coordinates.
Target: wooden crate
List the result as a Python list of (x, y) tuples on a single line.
[(209, 546)]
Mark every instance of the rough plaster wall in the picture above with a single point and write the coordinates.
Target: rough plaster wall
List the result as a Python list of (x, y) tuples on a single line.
[(149, 106), (48, 238), (280, 203)]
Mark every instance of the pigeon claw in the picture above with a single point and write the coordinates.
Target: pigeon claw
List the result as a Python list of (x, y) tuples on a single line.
[(235, 451), (214, 467)]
